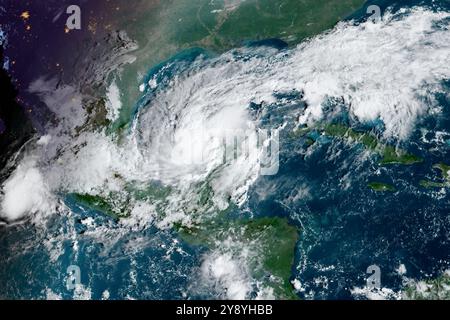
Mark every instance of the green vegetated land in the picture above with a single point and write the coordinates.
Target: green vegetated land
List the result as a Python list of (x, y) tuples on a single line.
[(445, 172), (119, 204), (380, 186), (388, 154), (270, 241), (115, 208), (175, 25), (170, 26), (433, 289)]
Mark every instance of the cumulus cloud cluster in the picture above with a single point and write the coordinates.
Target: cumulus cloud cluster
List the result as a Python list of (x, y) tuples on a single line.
[(26, 192), (388, 71)]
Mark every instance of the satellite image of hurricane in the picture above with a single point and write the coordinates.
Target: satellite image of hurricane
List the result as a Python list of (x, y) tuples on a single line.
[(224, 150)]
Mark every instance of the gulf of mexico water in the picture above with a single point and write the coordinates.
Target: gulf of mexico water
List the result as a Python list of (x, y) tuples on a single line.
[(321, 188)]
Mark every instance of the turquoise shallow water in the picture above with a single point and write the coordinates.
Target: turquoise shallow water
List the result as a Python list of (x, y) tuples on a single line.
[(342, 231)]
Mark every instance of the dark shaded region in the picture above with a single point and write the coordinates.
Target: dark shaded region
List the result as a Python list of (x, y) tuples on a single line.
[(15, 127)]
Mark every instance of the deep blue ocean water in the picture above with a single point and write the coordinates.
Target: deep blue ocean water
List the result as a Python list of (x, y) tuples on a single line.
[(342, 232)]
